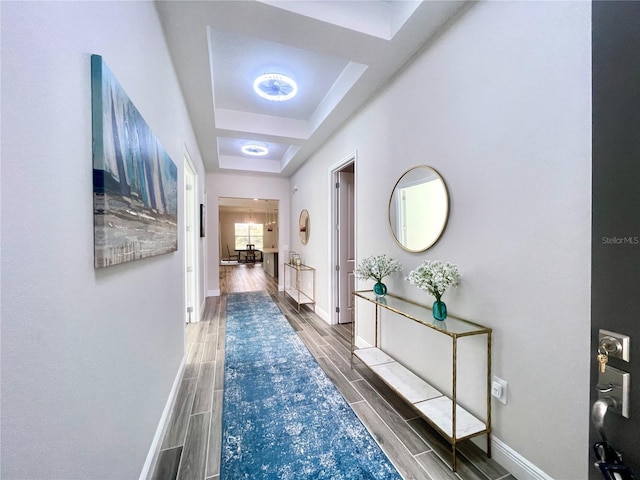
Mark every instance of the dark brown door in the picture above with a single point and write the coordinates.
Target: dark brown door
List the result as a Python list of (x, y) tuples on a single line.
[(615, 294)]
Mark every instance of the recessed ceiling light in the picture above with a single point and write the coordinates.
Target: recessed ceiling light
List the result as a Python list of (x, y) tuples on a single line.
[(275, 87), (255, 150)]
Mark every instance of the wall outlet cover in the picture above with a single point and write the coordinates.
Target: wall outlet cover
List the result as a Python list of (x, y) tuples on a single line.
[(499, 389), (496, 389)]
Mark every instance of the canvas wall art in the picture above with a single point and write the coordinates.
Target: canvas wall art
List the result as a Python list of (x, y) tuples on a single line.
[(135, 183)]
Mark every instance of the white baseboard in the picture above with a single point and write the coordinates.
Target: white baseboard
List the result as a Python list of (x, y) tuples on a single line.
[(323, 315), (213, 293), (516, 464), (202, 307), (152, 456), (360, 343)]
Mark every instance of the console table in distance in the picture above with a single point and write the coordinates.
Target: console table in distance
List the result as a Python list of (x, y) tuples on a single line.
[(297, 291)]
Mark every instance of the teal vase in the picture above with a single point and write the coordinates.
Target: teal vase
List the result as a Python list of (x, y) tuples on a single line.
[(439, 310), (380, 289)]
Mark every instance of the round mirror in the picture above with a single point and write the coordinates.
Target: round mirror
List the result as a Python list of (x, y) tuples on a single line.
[(418, 208), (305, 224)]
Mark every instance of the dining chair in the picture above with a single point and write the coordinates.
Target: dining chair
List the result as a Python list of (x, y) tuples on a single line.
[(251, 252), (235, 257)]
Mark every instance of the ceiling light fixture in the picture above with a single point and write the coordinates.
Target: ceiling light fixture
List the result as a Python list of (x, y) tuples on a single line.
[(275, 87), (255, 150)]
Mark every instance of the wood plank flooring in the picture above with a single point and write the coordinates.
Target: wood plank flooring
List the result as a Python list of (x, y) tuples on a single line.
[(191, 446)]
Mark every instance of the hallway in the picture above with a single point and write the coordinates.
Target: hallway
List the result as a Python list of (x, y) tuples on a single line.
[(190, 449)]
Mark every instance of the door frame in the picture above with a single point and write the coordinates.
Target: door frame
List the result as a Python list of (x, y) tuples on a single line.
[(333, 233), (191, 241)]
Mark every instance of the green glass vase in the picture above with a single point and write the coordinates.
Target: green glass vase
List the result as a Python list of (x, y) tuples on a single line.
[(380, 289), (439, 310)]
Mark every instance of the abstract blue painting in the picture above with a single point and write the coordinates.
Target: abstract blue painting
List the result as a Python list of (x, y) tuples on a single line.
[(135, 194)]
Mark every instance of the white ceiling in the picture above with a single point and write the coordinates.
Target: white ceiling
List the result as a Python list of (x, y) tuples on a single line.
[(339, 52), (257, 205)]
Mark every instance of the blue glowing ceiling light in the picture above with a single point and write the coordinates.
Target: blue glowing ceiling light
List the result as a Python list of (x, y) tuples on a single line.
[(255, 150), (275, 87)]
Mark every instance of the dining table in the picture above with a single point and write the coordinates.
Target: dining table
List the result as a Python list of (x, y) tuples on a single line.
[(247, 256)]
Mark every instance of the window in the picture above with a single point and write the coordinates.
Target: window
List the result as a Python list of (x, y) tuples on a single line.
[(247, 233)]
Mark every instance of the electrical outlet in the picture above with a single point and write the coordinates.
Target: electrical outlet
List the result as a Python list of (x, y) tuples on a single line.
[(499, 389)]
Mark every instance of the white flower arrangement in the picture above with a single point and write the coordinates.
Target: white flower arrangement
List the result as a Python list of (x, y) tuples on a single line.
[(376, 267), (435, 277)]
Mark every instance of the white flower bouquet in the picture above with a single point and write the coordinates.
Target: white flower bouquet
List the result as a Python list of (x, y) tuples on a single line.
[(376, 267), (435, 277)]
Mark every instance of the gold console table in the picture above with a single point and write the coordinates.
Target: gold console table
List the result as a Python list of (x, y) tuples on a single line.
[(297, 291), (452, 421)]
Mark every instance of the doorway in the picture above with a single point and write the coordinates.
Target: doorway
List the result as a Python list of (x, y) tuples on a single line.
[(249, 221), (344, 242), (192, 313)]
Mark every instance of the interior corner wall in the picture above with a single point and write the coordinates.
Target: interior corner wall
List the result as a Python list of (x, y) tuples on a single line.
[(500, 105), (239, 185), (88, 356)]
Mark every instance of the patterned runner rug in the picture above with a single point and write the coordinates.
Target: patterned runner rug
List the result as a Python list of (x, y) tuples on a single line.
[(282, 417)]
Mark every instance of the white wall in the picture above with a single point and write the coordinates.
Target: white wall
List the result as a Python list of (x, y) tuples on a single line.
[(88, 356), (500, 105), (237, 185)]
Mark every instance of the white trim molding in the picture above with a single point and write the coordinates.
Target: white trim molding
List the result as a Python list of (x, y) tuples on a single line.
[(361, 343), (322, 314), (332, 319), (202, 307), (154, 450), (516, 464)]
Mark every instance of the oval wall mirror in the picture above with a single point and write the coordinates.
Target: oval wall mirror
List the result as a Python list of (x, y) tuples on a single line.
[(305, 225), (418, 208)]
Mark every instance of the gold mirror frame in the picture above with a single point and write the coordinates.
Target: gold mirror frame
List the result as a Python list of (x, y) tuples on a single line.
[(418, 208), (304, 226)]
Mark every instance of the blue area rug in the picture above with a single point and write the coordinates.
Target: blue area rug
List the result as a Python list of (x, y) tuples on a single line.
[(282, 417)]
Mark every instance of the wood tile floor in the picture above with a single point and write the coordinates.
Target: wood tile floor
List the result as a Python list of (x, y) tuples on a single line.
[(190, 449)]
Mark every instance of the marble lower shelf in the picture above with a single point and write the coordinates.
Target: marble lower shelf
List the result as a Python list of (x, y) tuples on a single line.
[(432, 404), (439, 411), (298, 296)]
